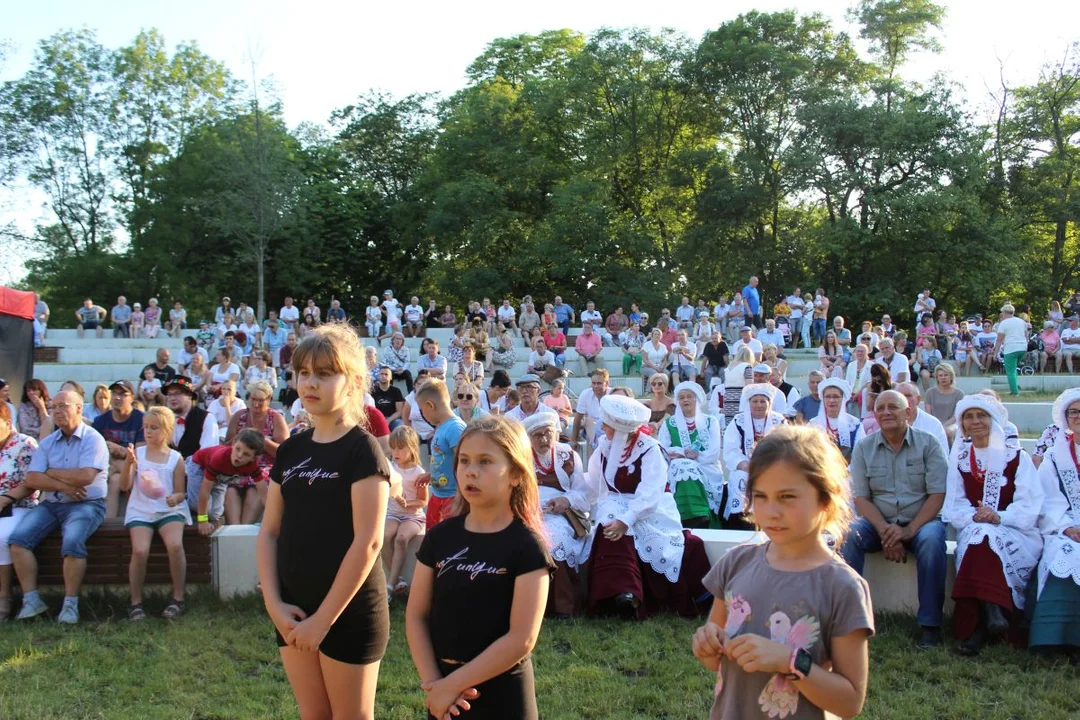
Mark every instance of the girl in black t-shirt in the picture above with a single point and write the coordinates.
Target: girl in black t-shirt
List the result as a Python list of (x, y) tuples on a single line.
[(481, 582), (322, 529)]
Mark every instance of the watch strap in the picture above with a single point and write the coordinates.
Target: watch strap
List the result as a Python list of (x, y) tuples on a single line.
[(793, 671)]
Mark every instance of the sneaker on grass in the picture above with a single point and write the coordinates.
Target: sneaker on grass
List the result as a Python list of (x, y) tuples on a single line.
[(69, 615), (31, 608)]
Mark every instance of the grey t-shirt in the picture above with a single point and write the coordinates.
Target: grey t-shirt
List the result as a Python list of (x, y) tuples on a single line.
[(801, 609)]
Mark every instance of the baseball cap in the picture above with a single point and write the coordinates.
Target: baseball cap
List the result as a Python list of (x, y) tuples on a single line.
[(124, 385), (387, 292)]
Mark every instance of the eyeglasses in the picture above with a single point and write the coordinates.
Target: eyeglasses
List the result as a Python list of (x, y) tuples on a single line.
[(1073, 414), (465, 397)]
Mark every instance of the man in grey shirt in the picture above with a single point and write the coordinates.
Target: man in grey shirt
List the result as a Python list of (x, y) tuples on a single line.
[(121, 318), (898, 480)]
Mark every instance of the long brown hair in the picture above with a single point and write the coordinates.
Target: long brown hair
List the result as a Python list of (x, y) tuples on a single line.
[(510, 436), (336, 346), (814, 454)]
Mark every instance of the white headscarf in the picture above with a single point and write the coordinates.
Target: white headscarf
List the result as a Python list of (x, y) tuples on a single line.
[(997, 454), (1062, 454), (771, 419), (845, 424), (700, 421), (625, 415)]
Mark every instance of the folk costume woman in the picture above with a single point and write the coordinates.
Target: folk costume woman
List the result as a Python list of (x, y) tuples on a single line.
[(992, 498), (754, 421), (642, 561), (832, 416), (1053, 600), (566, 498), (693, 443)]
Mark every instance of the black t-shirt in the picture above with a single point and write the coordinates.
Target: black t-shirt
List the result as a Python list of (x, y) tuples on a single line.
[(474, 582), (317, 522), (386, 400), (164, 374), (478, 315), (431, 318), (715, 353)]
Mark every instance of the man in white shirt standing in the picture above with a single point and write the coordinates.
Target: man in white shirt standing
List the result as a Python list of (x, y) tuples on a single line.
[(720, 314), (1070, 341), (924, 304), (289, 315), (587, 411), (894, 361), (685, 315), (746, 339), (1012, 339)]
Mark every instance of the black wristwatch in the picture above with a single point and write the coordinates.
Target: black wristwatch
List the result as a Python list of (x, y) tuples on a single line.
[(801, 664)]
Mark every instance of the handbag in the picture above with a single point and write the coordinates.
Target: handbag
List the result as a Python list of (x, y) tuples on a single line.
[(552, 373), (580, 522)]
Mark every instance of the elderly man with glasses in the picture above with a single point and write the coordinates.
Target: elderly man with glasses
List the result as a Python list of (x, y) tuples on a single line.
[(70, 468)]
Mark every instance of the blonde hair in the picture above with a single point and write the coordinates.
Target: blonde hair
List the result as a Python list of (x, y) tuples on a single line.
[(335, 346), (262, 387), (947, 368), (813, 454), (434, 386), (165, 418), (745, 355), (510, 437), (404, 437), (102, 388)]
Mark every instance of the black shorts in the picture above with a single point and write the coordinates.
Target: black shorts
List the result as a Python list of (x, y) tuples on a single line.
[(90, 324), (360, 635), (510, 695)]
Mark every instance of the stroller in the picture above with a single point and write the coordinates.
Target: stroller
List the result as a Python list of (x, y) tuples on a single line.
[(1029, 364), (783, 324)]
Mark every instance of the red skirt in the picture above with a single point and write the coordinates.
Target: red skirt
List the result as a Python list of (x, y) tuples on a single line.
[(981, 579), (615, 568)]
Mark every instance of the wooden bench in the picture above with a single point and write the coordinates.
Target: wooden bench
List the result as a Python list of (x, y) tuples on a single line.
[(108, 554)]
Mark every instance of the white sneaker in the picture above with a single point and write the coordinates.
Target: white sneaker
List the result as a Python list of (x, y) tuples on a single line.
[(31, 609), (69, 615)]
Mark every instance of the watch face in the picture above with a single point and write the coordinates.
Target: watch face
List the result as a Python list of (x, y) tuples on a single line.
[(803, 662)]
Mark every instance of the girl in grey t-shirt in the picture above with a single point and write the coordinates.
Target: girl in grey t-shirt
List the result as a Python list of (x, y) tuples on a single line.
[(790, 625)]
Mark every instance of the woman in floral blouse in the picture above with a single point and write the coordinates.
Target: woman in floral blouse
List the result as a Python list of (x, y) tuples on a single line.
[(16, 498)]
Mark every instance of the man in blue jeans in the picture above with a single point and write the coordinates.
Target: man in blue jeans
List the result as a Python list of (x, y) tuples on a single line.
[(564, 314), (898, 479), (70, 468)]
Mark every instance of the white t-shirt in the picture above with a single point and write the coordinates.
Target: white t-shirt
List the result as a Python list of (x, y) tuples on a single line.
[(539, 362), (149, 386), (374, 313), (506, 313), (775, 337), (592, 316), (588, 404), (1016, 337), (1070, 333), (217, 411), (720, 313), (416, 418), (796, 304), (931, 302), (289, 314), (986, 340), (414, 313), (685, 313), (678, 360), (219, 374), (391, 308), (518, 414), (897, 365), (754, 345)]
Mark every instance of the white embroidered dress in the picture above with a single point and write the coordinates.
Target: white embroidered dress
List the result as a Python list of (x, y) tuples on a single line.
[(1061, 510), (581, 493)]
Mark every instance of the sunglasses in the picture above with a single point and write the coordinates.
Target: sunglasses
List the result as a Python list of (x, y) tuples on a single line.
[(465, 397)]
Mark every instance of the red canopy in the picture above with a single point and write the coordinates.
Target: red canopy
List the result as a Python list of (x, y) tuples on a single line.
[(16, 303)]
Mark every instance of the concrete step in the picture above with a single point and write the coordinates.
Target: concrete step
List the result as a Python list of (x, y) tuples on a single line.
[(110, 356), (109, 343)]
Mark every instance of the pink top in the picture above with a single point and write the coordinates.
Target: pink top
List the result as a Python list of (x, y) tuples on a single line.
[(588, 343), (1051, 340), (559, 404), (408, 491)]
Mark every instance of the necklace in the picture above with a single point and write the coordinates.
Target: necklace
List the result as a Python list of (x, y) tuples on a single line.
[(980, 474)]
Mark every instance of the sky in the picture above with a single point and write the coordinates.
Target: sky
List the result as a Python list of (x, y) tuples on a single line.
[(322, 55)]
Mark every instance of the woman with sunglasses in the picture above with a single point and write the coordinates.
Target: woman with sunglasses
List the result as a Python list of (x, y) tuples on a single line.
[(468, 402)]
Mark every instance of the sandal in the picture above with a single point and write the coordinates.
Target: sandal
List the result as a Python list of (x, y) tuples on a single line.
[(136, 612), (173, 609)]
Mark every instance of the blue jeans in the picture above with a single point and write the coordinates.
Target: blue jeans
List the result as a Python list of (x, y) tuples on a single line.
[(928, 545), (195, 478), (819, 329), (77, 522)]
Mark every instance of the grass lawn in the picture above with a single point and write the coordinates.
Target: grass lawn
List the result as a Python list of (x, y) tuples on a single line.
[(219, 661)]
